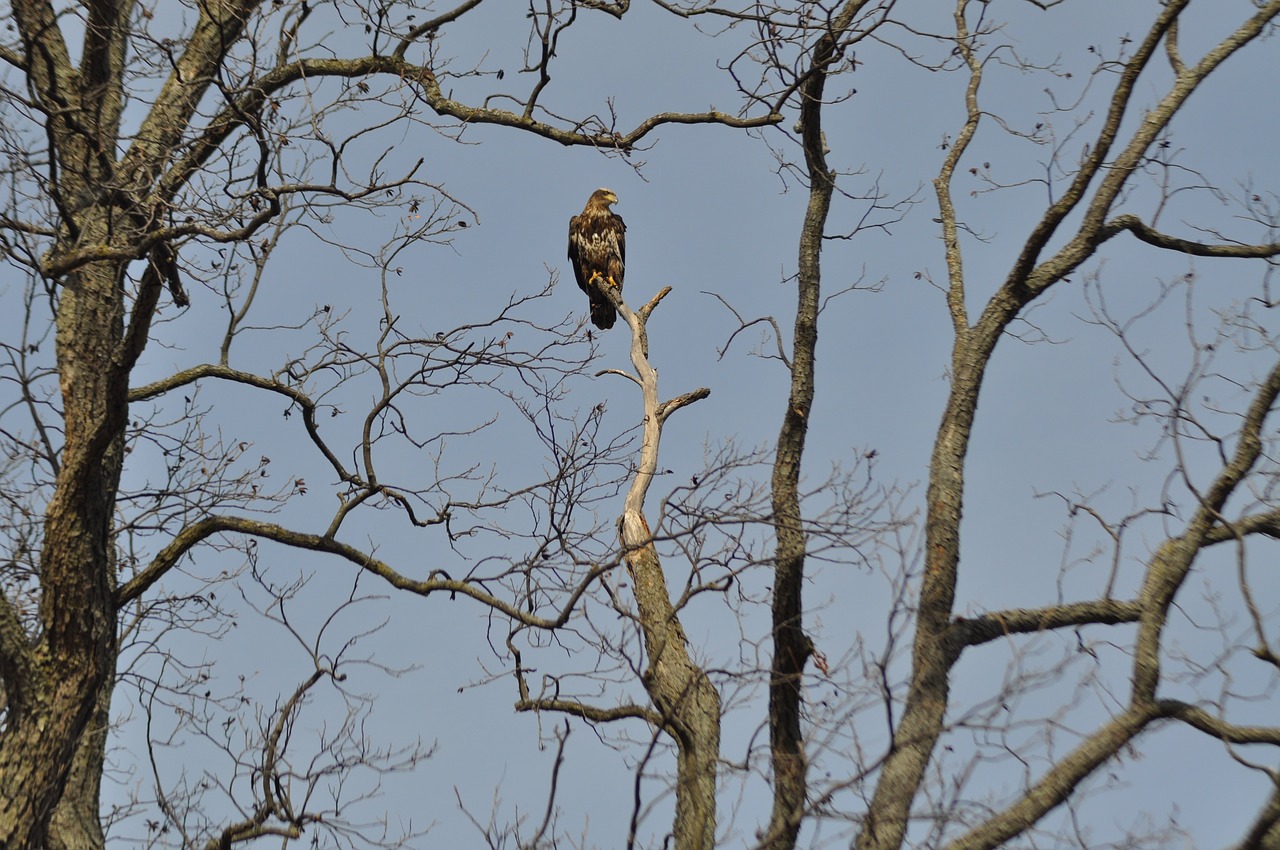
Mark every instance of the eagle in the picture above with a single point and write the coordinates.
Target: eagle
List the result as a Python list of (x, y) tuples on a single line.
[(598, 252)]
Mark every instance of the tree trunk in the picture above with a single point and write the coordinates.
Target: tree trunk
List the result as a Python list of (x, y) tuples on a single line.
[(684, 695), (55, 684), (681, 690), (76, 823)]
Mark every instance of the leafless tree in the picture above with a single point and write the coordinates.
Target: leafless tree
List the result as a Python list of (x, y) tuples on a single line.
[(172, 147), (189, 149), (1124, 181)]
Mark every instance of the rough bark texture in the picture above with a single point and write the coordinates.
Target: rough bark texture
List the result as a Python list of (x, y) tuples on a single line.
[(791, 646), (54, 683), (51, 706), (76, 824), (59, 686)]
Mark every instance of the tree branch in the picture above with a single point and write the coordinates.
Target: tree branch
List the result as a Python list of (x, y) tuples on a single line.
[(1264, 833), (591, 712), (1101, 145), (1117, 172), (13, 58), (792, 646), (226, 373), (428, 27), (197, 532), (232, 117), (1147, 234), (1058, 783), (976, 631), (1215, 727), (1172, 561), (685, 696)]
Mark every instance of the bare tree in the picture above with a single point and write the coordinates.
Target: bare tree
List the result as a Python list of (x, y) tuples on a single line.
[(189, 149), (1057, 246), (1091, 202), (1125, 179), (686, 703), (172, 148)]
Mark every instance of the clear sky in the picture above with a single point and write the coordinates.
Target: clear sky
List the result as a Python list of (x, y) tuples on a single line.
[(708, 211)]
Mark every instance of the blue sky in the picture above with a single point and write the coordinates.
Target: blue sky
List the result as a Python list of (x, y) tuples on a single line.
[(707, 212)]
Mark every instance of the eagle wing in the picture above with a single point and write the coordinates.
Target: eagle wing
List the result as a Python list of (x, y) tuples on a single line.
[(575, 239)]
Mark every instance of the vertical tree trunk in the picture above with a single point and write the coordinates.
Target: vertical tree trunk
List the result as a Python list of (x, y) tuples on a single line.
[(59, 679), (683, 694), (76, 823), (679, 688), (59, 683), (791, 646)]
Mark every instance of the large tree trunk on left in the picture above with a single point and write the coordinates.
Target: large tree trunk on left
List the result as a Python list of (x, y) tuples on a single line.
[(54, 683), (57, 681)]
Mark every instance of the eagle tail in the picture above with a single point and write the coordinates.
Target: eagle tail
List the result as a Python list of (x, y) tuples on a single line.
[(602, 313)]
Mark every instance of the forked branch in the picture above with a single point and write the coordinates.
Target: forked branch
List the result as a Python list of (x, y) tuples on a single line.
[(680, 689)]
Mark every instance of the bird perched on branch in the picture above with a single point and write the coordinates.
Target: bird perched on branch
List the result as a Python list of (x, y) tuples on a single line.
[(598, 251)]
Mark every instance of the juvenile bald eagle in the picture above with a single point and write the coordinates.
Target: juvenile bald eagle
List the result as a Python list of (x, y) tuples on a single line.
[(598, 252)]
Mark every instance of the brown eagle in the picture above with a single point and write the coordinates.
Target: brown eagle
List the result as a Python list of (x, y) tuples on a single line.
[(598, 252)]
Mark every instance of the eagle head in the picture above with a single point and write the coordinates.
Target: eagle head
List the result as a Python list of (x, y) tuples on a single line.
[(603, 197)]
